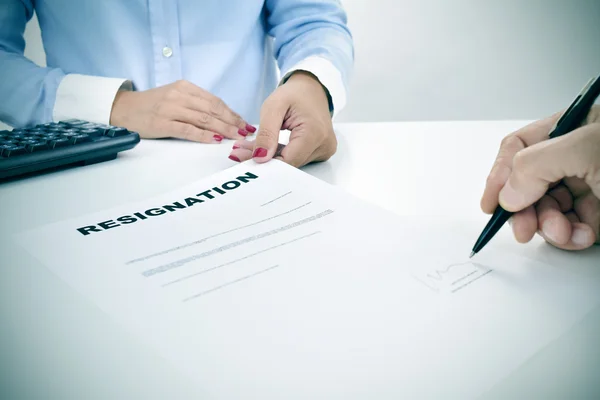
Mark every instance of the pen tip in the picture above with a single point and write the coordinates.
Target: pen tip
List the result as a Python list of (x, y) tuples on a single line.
[(472, 254)]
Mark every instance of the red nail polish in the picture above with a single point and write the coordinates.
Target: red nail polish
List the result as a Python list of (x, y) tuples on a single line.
[(250, 128), (218, 138), (234, 158), (260, 152), (235, 146), (243, 132)]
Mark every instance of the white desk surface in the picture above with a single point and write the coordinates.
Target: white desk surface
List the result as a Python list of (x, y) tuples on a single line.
[(55, 344)]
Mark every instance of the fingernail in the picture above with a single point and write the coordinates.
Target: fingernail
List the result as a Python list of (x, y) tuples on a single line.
[(218, 138), (234, 158), (235, 146), (580, 237), (259, 152), (510, 199), (547, 229), (242, 132), (250, 128)]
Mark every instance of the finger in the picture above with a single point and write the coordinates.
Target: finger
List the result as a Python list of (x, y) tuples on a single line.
[(578, 187), (524, 225), (240, 155), (244, 144), (300, 148), (536, 167), (587, 208), (552, 222), (204, 121), (216, 108), (510, 146), (190, 132), (581, 238), (572, 217), (241, 150), (563, 197), (500, 172), (271, 120)]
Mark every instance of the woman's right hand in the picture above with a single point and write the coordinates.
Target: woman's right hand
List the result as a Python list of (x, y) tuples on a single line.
[(181, 110)]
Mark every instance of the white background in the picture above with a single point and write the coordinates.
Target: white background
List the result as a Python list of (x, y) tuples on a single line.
[(460, 59)]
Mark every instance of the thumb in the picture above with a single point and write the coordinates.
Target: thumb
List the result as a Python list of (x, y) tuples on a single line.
[(535, 168), (272, 115)]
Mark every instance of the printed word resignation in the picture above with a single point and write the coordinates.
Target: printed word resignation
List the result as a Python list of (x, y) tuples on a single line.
[(178, 205)]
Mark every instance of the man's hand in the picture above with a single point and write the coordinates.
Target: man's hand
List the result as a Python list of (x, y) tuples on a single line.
[(301, 106), (181, 110), (528, 164)]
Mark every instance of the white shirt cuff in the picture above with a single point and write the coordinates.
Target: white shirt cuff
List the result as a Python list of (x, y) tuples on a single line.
[(89, 98), (327, 74)]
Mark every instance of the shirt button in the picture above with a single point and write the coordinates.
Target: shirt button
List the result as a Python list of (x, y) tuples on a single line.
[(167, 51)]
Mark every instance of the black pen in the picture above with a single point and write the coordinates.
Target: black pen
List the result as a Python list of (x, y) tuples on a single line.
[(570, 120)]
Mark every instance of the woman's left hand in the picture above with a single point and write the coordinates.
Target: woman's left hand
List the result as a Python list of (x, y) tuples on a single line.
[(301, 106)]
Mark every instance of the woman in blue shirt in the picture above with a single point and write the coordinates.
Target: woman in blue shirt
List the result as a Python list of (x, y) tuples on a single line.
[(198, 70)]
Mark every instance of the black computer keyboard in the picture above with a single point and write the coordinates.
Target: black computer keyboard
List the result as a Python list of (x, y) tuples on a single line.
[(60, 144)]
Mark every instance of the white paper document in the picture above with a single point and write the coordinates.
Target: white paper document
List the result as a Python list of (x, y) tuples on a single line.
[(262, 282)]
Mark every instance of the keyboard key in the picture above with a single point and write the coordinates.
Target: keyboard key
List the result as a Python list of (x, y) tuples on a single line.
[(75, 122), (50, 136), (93, 132), (89, 125), (115, 132), (60, 142), (31, 147), (51, 125), (33, 130), (80, 139), (10, 151), (35, 139), (28, 141)]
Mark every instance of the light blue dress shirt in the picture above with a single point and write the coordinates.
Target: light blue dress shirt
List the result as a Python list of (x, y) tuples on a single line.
[(232, 48)]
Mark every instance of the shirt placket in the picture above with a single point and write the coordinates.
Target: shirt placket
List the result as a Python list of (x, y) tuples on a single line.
[(164, 22)]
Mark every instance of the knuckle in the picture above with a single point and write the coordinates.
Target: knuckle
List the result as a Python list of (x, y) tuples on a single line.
[(172, 94), (180, 84), (521, 162), (187, 131), (204, 118), (238, 120), (509, 146), (217, 106), (267, 134), (509, 141)]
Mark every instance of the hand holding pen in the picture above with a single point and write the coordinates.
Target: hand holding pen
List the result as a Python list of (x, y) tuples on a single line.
[(548, 181)]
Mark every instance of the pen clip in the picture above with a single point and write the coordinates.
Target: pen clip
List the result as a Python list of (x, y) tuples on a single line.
[(574, 103)]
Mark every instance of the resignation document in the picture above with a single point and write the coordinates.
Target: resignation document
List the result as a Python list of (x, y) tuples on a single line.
[(262, 282)]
